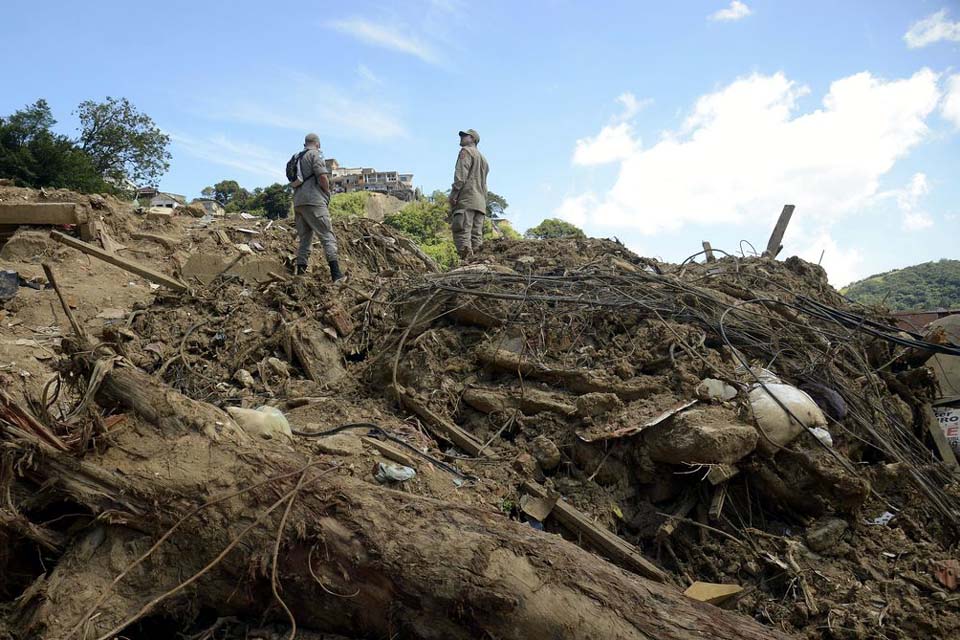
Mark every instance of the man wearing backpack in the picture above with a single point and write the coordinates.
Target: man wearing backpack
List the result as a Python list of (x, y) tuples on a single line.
[(468, 196), (311, 195)]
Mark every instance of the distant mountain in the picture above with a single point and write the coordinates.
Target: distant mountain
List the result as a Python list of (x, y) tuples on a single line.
[(931, 285)]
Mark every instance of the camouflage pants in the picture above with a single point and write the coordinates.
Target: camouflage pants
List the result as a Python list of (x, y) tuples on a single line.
[(467, 227), (312, 219)]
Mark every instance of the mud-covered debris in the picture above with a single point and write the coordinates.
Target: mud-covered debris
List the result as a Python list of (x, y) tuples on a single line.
[(824, 535), (716, 390), (701, 436), (597, 404), (546, 452)]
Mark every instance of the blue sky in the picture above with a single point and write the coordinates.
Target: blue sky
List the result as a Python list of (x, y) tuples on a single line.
[(662, 124)]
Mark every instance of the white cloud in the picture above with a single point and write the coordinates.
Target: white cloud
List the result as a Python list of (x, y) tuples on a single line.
[(736, 11), (387, 36), (933, 28), (613, 143), (576, 209), (631, 105), (302, 103), (908, 200), (218, 149), (950, 107), (843, 264), (744, 151)]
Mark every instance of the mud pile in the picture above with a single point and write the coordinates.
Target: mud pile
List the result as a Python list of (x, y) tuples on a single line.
[(649, 414)]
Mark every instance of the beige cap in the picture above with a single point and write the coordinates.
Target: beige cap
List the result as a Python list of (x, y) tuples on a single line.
[(473, 133)]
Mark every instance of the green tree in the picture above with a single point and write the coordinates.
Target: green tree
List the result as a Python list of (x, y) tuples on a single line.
[(226, 191), (422, 220), (35, 156), (496, 204), (555, 228), (124, 144), (207, 192), (276, 200)]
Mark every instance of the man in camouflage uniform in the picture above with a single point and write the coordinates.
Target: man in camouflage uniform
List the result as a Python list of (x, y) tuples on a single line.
[(310, 200), (468, 196)]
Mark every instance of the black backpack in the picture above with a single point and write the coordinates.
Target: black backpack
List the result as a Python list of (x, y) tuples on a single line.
[(293, 169)]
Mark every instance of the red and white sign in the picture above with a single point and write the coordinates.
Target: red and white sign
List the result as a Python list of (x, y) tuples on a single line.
[(949, 419)]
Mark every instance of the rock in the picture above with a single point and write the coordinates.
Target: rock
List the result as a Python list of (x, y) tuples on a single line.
[(279, 367), (825, 534), (546, 452), (244, 377), (525, 464), (716, 390), (339, 444), (597, 404), (701, 436)]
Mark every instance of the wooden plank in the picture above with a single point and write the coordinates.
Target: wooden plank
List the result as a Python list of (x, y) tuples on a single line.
[(389, 451), (107, 242), (708, 251), (668, 527), (940, 440), (38, 213), (611, 545), (716, 503), (126, 265), (440, 426), (774, 245), (721, 473)]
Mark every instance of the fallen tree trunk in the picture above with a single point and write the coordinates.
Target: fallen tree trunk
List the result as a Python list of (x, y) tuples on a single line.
[(265, 531)]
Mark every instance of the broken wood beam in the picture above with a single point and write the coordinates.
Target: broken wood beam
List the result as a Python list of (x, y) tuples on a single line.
[(613, 546), (668, 527), (126, 265), (708, 251), (39, 213), (440, 426), (774, 245), (77, 327), (389, 451)]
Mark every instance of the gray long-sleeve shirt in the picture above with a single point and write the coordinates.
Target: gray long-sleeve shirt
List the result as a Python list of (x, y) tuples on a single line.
[(469, 189), (312, 167)]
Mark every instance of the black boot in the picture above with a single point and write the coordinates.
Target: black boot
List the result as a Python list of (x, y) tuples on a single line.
[(299, 269), (335, 273)]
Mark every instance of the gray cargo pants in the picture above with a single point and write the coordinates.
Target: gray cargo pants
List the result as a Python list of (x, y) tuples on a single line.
[(467, 227), (310, 219)]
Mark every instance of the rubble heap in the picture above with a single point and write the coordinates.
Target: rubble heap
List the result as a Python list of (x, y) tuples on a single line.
[(561, 440)]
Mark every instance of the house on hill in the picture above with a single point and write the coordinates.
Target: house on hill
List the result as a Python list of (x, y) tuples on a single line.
[(211, 206), (168, 200)]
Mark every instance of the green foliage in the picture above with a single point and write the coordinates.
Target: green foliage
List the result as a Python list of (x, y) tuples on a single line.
[(36, 157), (931, 285), (443, 252), (496, 204), (124, 144), (208, 192), (555, 228), (227, 191), (423, 220), (276, 200), (346, 205), (505, 228)]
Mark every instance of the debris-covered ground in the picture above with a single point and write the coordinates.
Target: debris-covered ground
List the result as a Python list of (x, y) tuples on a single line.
[(650, 414)]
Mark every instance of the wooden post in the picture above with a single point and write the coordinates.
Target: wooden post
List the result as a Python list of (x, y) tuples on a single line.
[(77, 328), (708, 250), (611, 545), (126, 265), (776, 238)]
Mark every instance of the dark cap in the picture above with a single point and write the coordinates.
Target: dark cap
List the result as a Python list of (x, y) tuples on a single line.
[(473, 133)]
